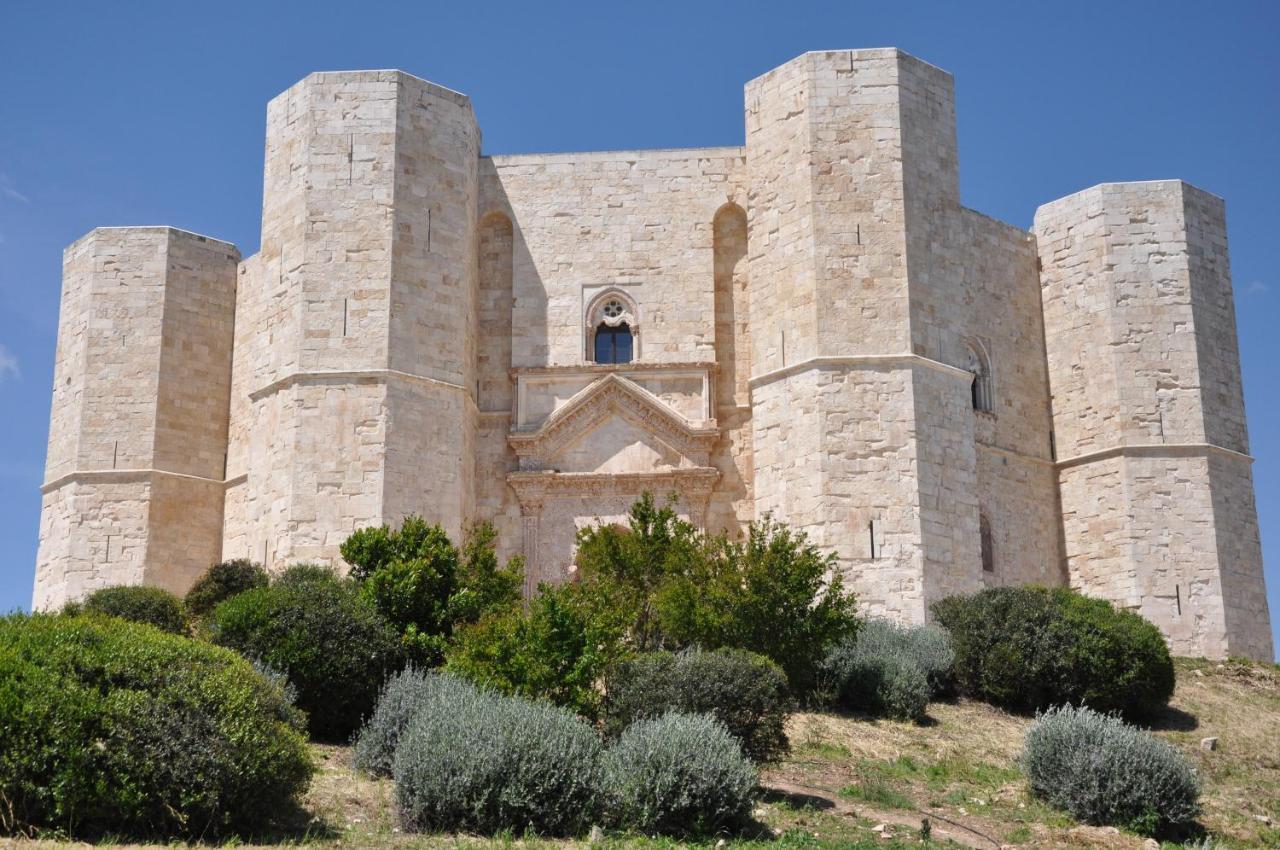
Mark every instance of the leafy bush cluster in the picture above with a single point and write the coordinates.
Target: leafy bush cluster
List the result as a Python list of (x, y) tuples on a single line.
[(1103, 771), (890, 670), (112, 728), (773, 593), (663, 585), (425, 587), (136, 603), (558, 649), (744, 691), (468, 758), (223, 581), (1027, 648), (317, 629), (679, 774)]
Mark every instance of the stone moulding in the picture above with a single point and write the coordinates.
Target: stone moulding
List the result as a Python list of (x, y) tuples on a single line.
[(1153, 450), (613, 395), (694, 483), (369, 375), (529, 379), (873, 361), (120, 476)]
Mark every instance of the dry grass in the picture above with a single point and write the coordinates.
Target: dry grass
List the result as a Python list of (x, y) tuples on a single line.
[(961, 764), (847, 776)]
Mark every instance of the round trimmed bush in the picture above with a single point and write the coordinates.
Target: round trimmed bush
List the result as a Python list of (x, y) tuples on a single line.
[(114, 728), (332, 644), (223, 581), (744, 691), (299, 575), (1028, 648), (889, 670), (402, 697), (139, 604), (478, 761), (679, 774), (1103, 772)]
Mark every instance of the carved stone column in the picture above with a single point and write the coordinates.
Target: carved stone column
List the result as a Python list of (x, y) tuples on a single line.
[(530, 511)]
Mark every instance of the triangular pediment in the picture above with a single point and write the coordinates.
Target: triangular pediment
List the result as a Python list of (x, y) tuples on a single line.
[(616, 444), (614, 422)]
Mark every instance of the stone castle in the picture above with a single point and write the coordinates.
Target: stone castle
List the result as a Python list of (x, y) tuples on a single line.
[(809, 324)]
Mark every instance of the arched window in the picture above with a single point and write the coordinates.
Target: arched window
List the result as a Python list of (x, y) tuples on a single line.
[(980, 385), (986, 544), (611, 329), (613, 345)]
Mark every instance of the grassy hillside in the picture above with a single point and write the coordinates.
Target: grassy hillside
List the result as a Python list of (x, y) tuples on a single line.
[(853, 783)]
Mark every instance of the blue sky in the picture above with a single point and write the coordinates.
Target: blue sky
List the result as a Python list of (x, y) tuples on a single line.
[(152, 113)]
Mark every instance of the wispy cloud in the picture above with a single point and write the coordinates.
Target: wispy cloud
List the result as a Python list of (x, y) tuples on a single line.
[(1257, 287), (10, 191), (8, 365)]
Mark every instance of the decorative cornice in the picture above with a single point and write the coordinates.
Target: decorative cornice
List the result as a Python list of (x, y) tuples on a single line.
[(532, 487), (613, 394), (122, 476), (570, 369), (317, 376), (871, 361), (1010, 453), (1153, 450)]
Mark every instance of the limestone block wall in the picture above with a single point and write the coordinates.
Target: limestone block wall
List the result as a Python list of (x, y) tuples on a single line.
[(639, 222), (853, 186), (996, 308), (138, 430), (357, 339), (1148, 412)]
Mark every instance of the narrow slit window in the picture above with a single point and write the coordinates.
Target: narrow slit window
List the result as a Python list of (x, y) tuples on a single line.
[(980, 389), (986, 545)]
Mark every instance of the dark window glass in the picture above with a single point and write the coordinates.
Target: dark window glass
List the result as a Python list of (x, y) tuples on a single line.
[(613, 345)]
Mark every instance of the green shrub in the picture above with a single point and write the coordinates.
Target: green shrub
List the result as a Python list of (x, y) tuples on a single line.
[(110, 728), (889, 670), (402, 697), (331, 643), (1029, 648), (1105, 772), (744, 691), (680, 774), (223, 581), (139, 604), (422, 584), (557, 650), (478, 761), (772, 593), (303, 575)]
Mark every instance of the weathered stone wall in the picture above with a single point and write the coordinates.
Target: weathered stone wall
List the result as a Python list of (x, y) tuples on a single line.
[(863, 261), (997, 308), (358, 328), (639, 222), (1149, 414), (138, 429)]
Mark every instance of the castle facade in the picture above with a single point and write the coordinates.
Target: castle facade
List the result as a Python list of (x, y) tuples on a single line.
[(810, 324)]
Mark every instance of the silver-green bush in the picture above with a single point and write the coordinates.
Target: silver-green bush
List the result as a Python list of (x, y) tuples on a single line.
[(744, 691), (1103, 771), (681, 774), (889, 670), (482, 762), (403, 696)]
